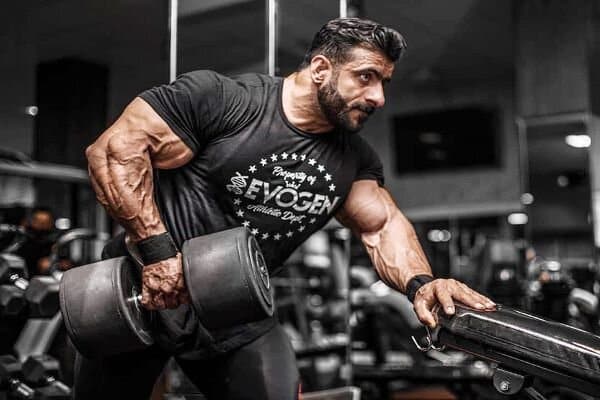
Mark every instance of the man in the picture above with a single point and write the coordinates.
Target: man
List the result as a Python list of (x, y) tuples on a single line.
[(279, 156), (38, 245)]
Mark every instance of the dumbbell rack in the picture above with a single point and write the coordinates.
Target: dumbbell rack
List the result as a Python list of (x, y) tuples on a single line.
[(41, 331), (34, 379), (37, 336)]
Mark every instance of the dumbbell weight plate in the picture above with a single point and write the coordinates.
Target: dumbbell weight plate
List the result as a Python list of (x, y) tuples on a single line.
[(99, 305), (227, 278), (12, 301), (42, 295)]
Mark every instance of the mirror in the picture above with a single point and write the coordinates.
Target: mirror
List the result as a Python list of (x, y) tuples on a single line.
[(558, 179), (227, 36), (297, 23)]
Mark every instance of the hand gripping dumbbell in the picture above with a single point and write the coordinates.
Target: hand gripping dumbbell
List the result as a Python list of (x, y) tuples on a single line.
[(41, 371), (225, 274), (11, 379)]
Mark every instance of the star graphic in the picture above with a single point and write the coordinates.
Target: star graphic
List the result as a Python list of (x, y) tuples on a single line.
[(312, 161), (303, 157), (252, 168), (327, 177), (289, 234), (239, 213), (246, 224), (277, 236), (301, 228), (254, 231), (265, 236), (331, 187), (284, 156), (312, 221), (294, 156), (263, 161), (321, 168), (273, 157), (237, 202)]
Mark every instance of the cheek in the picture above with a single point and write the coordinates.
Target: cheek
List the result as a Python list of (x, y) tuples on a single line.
[(348, 90), (354, 95)]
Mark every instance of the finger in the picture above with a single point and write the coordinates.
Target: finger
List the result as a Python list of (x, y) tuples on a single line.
[(147, 298), (181, 283), (445, 299), (469, 299), (477, 297), (168, 286), (158, 301), (423, 313), (151, 278)]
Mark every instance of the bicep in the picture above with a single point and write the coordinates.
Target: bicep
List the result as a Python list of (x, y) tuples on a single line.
[(140, 130), (367, 208)]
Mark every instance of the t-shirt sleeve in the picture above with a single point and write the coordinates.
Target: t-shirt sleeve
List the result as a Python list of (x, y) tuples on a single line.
[(369, 165), (200, 106)]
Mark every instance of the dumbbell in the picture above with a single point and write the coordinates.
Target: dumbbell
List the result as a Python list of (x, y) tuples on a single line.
[(12, 270), (225, 273), (12, 301), (13, 285), (41, 372), (11, 378), (42, 296), (41, 292)]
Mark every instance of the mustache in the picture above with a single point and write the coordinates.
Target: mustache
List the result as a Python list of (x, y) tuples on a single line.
[(364, 108)]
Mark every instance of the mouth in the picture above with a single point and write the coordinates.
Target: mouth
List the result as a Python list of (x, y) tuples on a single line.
[(366, 110), (363, 114)]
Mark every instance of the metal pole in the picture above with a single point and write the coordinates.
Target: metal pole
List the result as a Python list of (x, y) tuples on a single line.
[(173, 5), (271, 29), (343, 8)]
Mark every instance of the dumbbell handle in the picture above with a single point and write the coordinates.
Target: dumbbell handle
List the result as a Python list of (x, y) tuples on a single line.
[(20, 390), (19, 282), (136, 299)]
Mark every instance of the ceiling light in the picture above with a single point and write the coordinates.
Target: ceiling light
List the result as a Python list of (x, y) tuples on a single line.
[(63, 223), (31, 110), (439, 235), (518, 219), (527, 199), (562, 181), (578, 141)]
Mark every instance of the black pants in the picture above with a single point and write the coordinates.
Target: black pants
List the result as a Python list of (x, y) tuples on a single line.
[(264, 369)]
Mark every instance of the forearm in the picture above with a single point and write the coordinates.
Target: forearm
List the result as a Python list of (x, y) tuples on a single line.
[(120, 169), (396, 254)]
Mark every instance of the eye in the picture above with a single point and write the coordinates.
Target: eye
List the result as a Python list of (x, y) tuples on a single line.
[(365, 77)]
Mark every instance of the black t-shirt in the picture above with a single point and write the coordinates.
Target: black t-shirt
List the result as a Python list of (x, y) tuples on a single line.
[(251, 166)]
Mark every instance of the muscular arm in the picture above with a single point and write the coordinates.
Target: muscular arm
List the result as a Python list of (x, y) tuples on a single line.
[(120, 167), (387, 235), (396, 253), (121, 162)]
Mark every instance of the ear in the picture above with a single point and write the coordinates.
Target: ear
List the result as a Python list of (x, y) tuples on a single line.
[(321, 69)]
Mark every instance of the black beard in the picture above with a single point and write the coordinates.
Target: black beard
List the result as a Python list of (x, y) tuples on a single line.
[(336, 110)]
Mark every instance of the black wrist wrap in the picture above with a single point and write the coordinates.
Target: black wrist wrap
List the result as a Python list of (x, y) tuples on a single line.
[(157, 248), (415, 284)]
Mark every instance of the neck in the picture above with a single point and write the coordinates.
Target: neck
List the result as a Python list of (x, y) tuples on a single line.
[(300, 104)]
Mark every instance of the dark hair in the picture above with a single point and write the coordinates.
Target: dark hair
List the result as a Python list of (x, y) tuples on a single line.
[(337, 37), (42, 209)]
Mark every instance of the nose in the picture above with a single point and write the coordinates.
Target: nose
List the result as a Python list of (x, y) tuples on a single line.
[(375, 96)]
